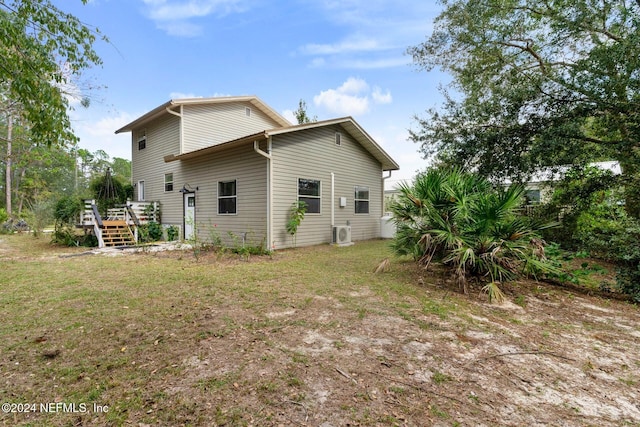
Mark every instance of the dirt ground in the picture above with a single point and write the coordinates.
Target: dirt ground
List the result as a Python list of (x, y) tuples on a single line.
[(549, 356), (557, 358)]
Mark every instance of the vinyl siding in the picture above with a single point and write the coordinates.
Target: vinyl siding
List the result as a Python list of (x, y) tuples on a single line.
[(163, 137), (313, 154), (212, 124), (249, 169)]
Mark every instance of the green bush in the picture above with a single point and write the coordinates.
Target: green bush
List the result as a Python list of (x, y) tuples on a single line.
[(459, 219), (173, 233), (616, 240), (67, 210), (596, 221), (150, 232)]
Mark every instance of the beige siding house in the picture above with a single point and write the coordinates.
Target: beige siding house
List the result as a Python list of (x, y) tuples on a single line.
[(232, 167)]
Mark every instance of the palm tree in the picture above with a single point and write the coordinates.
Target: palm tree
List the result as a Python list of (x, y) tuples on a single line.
[(460, 220)]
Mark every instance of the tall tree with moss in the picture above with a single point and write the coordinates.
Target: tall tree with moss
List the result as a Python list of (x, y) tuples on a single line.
[(536, 83), (44, 51)]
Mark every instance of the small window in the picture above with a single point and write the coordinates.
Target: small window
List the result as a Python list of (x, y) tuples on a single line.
[(227, 198), (142, 140), (168, 182), (309, 192), (532, 196), (361, 200), (247, 111), (338, 138)]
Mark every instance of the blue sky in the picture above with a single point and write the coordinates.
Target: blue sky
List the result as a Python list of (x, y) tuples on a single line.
[(343, 57)]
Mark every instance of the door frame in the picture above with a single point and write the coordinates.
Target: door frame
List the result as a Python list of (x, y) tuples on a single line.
[(186, 209)]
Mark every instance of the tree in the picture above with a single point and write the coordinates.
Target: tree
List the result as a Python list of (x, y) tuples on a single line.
[(536, 83), (43, 50), (301, 114)]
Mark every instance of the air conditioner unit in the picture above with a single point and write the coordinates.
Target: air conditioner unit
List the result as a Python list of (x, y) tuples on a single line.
[(342, 235)]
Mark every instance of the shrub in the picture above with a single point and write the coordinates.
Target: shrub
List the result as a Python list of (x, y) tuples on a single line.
[(596, 221), (173, 233), (459, 219), (150, 232)]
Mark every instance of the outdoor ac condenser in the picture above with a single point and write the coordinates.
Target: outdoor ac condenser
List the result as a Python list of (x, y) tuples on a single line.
[(342, 235)]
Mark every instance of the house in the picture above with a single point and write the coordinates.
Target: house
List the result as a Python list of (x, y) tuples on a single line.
[(232, 168), (539, 187)]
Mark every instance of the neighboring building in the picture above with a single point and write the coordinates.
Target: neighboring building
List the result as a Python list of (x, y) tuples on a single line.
[(538, 188), (233, 167)]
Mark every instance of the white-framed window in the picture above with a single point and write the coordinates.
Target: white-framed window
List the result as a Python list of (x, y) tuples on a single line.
[(247, 111), (338, 138), (227, 198), (361, 197), (141, 191), (168, 182), (309, 191)]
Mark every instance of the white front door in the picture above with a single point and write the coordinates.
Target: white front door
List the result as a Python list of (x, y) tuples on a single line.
[(189, 215)]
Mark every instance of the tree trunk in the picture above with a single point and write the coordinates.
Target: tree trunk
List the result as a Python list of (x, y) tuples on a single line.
[(7, 188)]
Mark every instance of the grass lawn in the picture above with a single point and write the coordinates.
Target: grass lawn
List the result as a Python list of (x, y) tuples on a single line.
[(309, 336)]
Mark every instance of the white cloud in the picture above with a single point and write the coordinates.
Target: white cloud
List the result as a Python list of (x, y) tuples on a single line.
[(173, 16), (374, 33), (357, 44), (181, 95), (289, 115), (351, 98), (381, 98), (99, 134)]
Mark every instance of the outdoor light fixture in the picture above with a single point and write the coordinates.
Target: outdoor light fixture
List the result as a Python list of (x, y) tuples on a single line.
[(187, 189)]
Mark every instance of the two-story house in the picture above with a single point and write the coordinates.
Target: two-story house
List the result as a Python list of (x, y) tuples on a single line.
[(234, 166)]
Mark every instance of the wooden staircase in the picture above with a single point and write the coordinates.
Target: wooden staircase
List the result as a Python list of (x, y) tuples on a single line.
[(117, 233)]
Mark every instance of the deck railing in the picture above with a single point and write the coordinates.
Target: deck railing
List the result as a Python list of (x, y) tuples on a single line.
[(133, 213)]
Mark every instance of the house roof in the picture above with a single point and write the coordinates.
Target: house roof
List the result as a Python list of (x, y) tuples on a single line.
[(347, 123), (550, 175), (168, 106)]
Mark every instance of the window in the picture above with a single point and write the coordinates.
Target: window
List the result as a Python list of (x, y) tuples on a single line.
[(309, 192), (532, 196), (141, 191), (227, 196), (168, 182), (361, 200), (142, 140), (338, 138), (247, 111)]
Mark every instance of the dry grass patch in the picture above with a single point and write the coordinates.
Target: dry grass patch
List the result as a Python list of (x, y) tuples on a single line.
[(303, 337)]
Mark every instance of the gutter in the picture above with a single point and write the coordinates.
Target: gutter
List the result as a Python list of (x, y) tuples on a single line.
[(170, 111)]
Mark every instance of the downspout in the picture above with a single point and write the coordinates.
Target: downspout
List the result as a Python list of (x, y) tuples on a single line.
[(384, 178), (333, 201), (170, 111), (267, 154)]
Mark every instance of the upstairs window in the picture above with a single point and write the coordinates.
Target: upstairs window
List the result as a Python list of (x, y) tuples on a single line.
[(338, 138), (361, 200), (142, 140), (227, 197), (247, 111), (168, 182), (309, 192)]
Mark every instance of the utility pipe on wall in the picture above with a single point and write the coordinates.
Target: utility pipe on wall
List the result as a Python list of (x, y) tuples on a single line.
[(384, 178), (267, 154), (333, 201)]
